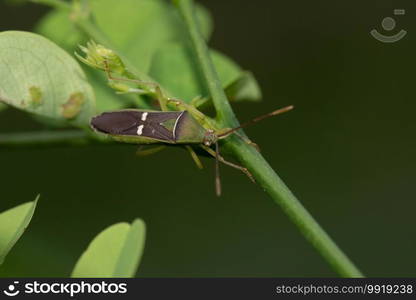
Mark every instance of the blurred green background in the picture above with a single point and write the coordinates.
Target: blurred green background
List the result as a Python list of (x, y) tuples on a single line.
[(347, 151)]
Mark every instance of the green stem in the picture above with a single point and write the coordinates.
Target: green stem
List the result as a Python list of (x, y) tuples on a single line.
[(54, 3), (252, 159), (225, 114), (45, 138)]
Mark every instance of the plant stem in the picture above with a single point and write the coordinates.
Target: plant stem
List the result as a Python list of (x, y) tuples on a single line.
[(45, 138), (54, 3), (253, 160), (225, 114)]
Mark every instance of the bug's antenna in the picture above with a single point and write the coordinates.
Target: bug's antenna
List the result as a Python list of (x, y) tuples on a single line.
[(217, 171), (255, 120)]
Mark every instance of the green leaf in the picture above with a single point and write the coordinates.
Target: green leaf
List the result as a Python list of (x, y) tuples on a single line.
[(39, 77), (151, 36), (245, 88), (147, 26), (13, 223), (115, 252), (174, 67), (57, 26)]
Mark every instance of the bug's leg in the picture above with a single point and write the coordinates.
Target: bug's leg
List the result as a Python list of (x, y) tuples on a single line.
[(138, 82), (221, 159), (162, 99), (248, 141), (141, 151), (218, 188), (156, 89), (198, 101), (194, 157), (242, 137)]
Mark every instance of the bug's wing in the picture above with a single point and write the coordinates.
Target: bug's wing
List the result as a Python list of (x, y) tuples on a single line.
[(149, 130), (162, 116), (160, 125), (158, 131), (138, 126), (115, 122)]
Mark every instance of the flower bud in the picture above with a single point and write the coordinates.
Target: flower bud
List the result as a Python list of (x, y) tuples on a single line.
[(100, 57)]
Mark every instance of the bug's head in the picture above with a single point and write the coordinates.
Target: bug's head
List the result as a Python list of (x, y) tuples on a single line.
[(210, 138)]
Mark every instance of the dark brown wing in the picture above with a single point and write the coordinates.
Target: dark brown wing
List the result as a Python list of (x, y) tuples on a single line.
[(115, 122), (136, 123)]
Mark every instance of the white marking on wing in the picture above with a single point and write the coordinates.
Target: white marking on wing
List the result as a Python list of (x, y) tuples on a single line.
[(144, 116), (140, 130), (176, 123)]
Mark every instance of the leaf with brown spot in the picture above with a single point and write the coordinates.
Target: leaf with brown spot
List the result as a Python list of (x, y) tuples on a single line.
[(35, 95), (40, 78), (72, 107)]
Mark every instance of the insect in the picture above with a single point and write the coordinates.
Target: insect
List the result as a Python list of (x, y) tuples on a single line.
[(186, 126)]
